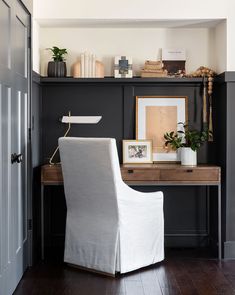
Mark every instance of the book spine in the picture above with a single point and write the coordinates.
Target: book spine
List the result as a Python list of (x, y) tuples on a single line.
[(82, 66), (93, 65), (89, 65), (86, 67)]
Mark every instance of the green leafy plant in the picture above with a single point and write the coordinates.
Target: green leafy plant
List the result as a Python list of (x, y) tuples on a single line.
[(188, 138), (58, 53)]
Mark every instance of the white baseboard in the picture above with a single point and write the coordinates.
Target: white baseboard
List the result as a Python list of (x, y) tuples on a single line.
[(229, 250)]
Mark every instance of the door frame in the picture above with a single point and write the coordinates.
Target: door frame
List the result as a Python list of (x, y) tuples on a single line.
[(28, 260)]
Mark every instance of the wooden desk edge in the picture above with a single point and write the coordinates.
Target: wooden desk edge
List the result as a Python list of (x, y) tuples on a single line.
[(171, 183), (59, 181)]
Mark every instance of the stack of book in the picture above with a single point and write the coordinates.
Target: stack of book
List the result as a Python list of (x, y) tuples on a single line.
[(88, 67), (153, 69)]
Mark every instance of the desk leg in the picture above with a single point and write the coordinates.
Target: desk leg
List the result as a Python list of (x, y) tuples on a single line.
[(42, 222), (219, 223), (208, 211)]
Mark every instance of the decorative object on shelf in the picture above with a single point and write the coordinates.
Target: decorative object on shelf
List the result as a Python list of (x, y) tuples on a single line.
[(74, 120), (123, 67), (76, 69), (99, 69), (207, 90), (57, 67), (174, 61), (153, 69), (88, 67), (137, 151), (155, 115), (188, 141)]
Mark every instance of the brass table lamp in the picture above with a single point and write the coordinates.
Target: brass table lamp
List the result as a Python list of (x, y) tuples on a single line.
[(74, 120)]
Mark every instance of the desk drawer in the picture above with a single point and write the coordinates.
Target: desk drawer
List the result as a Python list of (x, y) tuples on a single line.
[(140, 174), (190, 174)]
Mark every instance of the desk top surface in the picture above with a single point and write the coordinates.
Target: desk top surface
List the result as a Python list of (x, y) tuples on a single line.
[(171, 173)]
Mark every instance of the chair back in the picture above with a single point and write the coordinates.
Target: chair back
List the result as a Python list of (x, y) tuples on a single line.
[(90, 170)]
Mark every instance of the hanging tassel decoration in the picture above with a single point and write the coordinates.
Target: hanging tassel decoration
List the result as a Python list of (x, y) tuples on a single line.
[(210, 86), (205, 72), (204, 103)]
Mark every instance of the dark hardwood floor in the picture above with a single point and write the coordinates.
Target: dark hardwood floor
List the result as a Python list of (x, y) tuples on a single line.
[(178, 274)]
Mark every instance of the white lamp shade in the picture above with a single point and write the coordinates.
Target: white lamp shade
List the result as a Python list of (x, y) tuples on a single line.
[(81, 119)]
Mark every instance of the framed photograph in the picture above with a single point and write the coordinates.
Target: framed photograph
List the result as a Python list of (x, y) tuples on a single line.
[(123, 67), (137, 151), (156, 115)]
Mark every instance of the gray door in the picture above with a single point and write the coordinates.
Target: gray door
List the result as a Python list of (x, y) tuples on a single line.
[(14, 102)]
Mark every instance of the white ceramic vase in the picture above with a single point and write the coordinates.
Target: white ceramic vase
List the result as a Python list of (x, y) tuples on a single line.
[(188, 157)]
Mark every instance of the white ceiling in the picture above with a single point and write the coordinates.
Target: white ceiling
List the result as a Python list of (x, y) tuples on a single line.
[(135, 23)]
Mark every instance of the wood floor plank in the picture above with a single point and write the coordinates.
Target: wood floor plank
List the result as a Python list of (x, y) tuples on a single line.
[(134, 287), (174, 276), (231, 279), (170, 291), (217, 278), (199, 278), (150, 281), (166, 279), (183, 279), (133, 276), (116, 286)]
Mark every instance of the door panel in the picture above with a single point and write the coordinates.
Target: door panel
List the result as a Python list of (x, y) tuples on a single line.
[(6, 213), (14, 93), (23, 123), (5, 28), (21, 48)]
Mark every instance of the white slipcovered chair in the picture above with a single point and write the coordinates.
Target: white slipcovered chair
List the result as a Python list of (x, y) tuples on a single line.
[(110, 227)]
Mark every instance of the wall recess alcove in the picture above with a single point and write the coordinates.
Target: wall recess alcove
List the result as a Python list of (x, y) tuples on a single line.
[(137, 28), (203, 39)]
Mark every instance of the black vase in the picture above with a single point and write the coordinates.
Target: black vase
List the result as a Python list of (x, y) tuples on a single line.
[(56, 69)]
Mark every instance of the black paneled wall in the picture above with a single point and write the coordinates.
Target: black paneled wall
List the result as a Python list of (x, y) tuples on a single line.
[(115, 102), (114, 99)]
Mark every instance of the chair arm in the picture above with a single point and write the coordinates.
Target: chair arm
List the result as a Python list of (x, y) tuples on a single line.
[(129, 194)]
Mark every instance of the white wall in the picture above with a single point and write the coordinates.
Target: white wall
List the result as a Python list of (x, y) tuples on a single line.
[(220, 48), (36, 46), (230, 36), (141, 44), (131, 9), (215, 49)]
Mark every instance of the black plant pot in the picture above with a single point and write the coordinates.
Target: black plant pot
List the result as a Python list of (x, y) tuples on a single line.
[(56, 69)]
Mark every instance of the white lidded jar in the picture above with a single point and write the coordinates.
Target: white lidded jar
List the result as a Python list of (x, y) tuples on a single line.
[(188, 157)]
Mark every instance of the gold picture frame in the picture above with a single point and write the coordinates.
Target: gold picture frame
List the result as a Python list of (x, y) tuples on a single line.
[(156, 115), (137, 151)]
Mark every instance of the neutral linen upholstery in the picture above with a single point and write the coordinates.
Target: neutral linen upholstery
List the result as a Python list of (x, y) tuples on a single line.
[(110, 227)]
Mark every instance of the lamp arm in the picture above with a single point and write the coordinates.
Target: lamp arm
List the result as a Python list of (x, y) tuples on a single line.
[(56, 150)]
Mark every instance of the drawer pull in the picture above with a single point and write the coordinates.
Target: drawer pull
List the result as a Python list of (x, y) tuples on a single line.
[(189, 170), (130, 171)]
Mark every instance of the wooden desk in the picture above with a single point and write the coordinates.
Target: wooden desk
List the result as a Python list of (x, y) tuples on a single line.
[(148, 175)]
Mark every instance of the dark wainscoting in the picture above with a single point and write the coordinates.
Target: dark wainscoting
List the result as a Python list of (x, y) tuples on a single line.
[(114, 99), (36, 147), (224, 105)]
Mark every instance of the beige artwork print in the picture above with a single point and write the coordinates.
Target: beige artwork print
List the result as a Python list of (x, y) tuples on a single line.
[(159, 120)]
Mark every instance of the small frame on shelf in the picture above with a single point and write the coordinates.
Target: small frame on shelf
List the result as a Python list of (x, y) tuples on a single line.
[(137, 151), (123, 67), (156, 115)]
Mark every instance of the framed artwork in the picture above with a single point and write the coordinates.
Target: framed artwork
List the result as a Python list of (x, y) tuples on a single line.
[(137, 151), (123, 67), (156, 115)]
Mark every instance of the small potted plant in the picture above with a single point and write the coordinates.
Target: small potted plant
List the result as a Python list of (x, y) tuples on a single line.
[(188, 141), (57, 67)]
